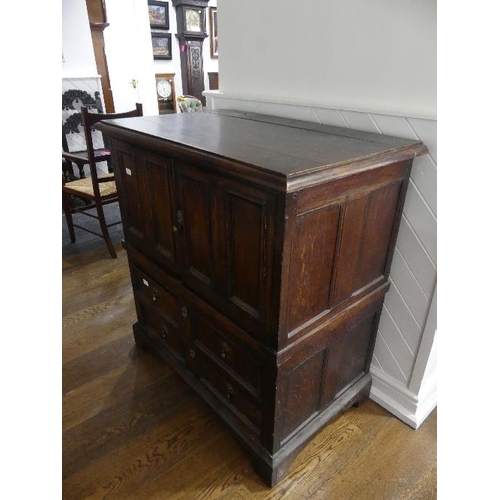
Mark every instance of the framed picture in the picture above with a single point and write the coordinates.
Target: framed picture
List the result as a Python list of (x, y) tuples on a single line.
[(162, 45), (158, 14), (214, 44)]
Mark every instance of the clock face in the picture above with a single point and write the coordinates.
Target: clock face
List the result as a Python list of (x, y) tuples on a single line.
[(193, 20), (164, 88)]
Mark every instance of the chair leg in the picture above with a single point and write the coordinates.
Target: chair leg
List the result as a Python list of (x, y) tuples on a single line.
[(69, 216), (104, 230)]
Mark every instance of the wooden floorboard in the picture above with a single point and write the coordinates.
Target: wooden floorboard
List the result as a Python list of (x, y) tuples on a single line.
[(133, 429)]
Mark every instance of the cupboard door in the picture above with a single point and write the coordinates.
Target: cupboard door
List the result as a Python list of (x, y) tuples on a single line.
[(195, 227), (228, 244), (133, 193), (160, 186), (249, 235), (147, 190)]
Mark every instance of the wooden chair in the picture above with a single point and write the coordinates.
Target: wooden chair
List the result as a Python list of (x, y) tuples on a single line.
[(99, 189), (189, 104)]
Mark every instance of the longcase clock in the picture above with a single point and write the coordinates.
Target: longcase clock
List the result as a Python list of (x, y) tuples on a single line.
[(191, 32)]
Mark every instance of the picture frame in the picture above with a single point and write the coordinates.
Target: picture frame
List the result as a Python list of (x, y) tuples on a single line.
[(214, 41), (158, 15), (162, 45)]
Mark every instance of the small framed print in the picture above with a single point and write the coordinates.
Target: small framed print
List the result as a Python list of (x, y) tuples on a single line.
[(158, 14), (214, 44), (193, 19), (162, 45)]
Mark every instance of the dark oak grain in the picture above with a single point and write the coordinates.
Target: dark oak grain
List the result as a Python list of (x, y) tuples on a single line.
[(259, 250)]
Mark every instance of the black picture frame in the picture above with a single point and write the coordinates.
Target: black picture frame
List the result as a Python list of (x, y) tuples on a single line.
[(162, 45), (158, 15)]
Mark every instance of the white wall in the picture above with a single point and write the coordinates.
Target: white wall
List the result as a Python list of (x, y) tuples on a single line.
[(129, 55), (360, 55), (369, 66), (77, 48)]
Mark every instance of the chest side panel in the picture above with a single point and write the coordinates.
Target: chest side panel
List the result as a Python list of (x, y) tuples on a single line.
[(342, 236), (313, 257)]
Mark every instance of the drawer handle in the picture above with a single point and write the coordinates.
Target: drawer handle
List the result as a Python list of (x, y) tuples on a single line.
[(192, 354), (164, 331), (184, 312), (155, 295), (224, 350), (229, 391)]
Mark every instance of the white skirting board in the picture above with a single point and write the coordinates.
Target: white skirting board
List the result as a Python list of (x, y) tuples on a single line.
[(411, 408)]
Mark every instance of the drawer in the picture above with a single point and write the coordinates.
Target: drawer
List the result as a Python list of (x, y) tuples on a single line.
[(228, 390), (164, 331), (159, 311), (146, 288), (219, 346)]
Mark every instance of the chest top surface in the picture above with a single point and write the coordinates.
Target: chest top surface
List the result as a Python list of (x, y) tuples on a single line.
[(277, 145)]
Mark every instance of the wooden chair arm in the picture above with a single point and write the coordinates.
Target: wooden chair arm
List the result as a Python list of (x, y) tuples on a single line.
[(75, 158)]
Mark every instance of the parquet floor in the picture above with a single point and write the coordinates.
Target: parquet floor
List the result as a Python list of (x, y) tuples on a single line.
[(132, 429)]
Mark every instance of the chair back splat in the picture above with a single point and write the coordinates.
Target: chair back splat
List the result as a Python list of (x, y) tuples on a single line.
[(89, 196)]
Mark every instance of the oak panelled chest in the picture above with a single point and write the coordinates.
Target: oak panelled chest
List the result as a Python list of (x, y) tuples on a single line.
[(259, 251)]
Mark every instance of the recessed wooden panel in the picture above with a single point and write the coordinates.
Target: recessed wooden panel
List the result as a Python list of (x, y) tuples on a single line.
[(346, 359), (301, 394), (136, 211), (352, 227), (196, 228), (311, 266), (160, 189), (246, 246), (377, 232)]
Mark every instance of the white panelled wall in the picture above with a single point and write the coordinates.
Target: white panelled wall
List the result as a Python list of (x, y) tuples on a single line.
[(403, 367)]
